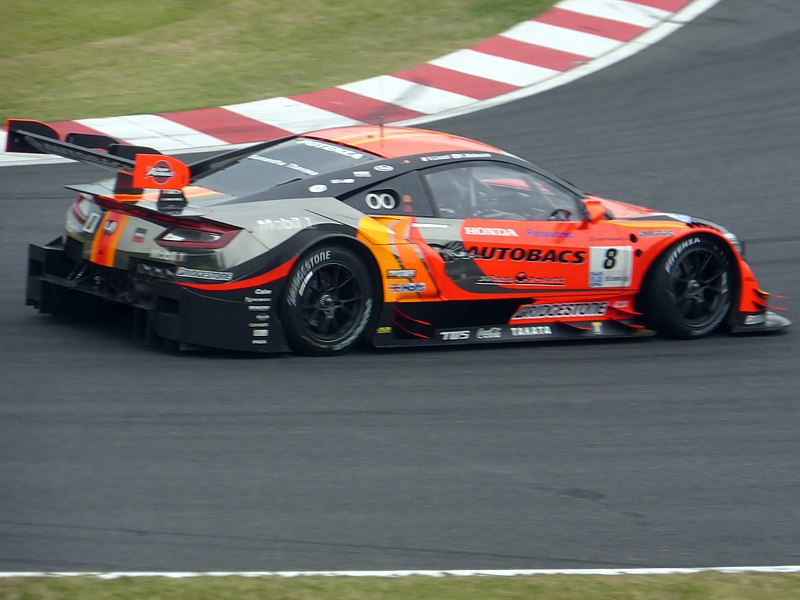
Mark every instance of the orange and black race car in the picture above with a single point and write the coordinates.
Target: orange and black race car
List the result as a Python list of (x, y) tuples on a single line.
[(393, 236)]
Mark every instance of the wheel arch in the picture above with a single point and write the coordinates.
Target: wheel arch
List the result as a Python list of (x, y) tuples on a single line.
[(360, 249), (735, 286)]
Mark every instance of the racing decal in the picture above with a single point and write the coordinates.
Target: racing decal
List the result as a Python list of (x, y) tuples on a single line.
[(303, 275), (139, 235), (559, 311), (202, 274), (489, 333), (455, 156), (407, 288), (455, 336), (678, 249), (260, 280), (161, 172), (530, 330), (410, 258), (348, 152), (401, 273), (284, 223), (522, 280), (656, 233), (490, 231), (104, 246), (380, 201), (91, 223), (527, 254), (610, 266), (556, 235)]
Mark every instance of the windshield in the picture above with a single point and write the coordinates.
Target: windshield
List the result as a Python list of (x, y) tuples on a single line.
[(294, 159)]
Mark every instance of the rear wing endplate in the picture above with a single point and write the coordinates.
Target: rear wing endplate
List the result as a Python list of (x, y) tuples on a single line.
[(138, 167)]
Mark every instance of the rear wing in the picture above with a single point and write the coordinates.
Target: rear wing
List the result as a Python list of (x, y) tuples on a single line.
[(138, 167)]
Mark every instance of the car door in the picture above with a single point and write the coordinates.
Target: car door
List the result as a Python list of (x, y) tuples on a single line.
[(502, 229)]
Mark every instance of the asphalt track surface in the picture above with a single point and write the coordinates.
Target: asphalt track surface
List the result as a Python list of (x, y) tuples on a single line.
[(642, 453)]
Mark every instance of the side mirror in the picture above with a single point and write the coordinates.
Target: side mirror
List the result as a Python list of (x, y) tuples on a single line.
[(595, 210)]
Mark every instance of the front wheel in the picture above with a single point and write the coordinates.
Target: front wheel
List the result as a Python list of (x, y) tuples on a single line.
[(688, 295), (328, 303)]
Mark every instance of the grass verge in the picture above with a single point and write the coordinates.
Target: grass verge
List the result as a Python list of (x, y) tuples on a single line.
[(87, 58), (700, 586)]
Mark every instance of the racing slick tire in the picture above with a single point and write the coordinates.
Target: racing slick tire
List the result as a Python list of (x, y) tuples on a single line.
[(329, 302), (688, 291)]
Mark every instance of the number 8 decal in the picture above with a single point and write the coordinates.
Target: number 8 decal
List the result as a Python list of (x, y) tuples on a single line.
[(381, 200), (611, 258), (610, 266)]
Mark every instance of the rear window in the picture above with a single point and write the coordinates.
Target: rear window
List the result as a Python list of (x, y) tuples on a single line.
[(298, 158)]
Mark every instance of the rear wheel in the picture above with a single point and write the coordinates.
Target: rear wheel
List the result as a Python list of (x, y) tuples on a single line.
[(329, 302), (687, 295)]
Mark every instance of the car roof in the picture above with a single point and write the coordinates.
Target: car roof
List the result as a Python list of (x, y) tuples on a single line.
[(395, 142)]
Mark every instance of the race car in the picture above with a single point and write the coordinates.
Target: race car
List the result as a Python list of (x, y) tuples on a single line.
[(386, 235)]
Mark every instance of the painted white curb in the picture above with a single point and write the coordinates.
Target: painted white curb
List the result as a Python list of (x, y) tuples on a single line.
[(409, 573)]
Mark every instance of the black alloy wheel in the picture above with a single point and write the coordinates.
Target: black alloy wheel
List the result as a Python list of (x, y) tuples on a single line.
[(329, 302), (689, 292)]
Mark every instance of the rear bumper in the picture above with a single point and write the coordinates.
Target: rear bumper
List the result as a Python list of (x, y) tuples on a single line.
[(164, 312)]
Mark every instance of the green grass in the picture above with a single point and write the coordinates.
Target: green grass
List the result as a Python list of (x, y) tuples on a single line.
[(88, 58), (701, 586)]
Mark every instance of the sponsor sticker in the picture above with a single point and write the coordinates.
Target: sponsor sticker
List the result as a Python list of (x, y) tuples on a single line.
[(556, 235), (284, 223), (455, 155), (610, 266), (139, 235), (201, 274), (330, 148), (450, 336), (382, 200), (541, 255), (555, 311), (530, 330), (163, 254), (656, 233), (91, 223), (489, 333), (401, 273), (410, 288), (681, 247), (521, 280), (317, 188), (496, 231), (384, 168)]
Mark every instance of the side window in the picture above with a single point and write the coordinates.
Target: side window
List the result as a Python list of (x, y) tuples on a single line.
[(402, 195), (496, 191)]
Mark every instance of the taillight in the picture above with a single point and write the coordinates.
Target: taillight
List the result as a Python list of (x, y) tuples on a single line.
[(197, 236), (181, 233), (82, 207)]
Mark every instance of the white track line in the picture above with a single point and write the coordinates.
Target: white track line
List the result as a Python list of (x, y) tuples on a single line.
[(451, 573)]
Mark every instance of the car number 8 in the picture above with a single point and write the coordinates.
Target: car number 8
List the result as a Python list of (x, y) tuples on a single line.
[(381, 201)]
